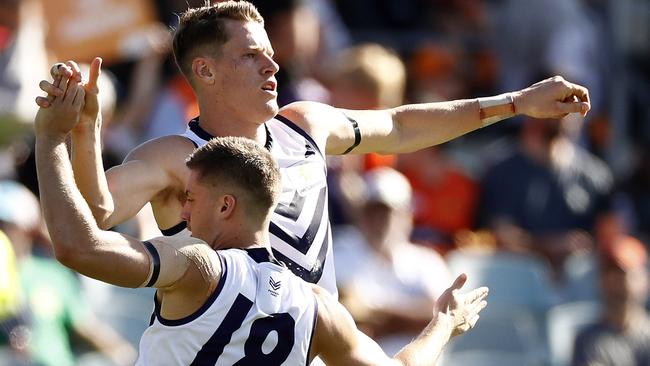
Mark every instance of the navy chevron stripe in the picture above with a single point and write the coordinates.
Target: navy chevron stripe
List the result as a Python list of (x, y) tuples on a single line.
[(302, 244), (292, 210), (213, 348), (314, 274)]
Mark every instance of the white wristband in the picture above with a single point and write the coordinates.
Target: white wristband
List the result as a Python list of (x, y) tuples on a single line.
[(496, 108)]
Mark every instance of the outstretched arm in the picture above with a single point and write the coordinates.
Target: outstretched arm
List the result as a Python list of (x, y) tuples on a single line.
[(412, 127), (77, 240), (339, 342)]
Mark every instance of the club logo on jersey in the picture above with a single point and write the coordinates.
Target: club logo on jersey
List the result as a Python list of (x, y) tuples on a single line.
[(309, 151), (304, 177), (275, 286)]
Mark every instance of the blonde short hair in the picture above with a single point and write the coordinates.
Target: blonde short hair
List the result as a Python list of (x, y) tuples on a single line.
[(376, 69)]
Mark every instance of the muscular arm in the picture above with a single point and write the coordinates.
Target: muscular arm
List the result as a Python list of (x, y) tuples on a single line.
[(339, 342), (412, 127), (77, 240), (148, 171), (144, 176)]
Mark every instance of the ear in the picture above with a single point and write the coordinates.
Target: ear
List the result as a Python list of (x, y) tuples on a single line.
[(227, 207), (203, 70)]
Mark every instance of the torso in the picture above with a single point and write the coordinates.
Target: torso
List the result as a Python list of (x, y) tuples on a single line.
[(259, 314), (300, 229)]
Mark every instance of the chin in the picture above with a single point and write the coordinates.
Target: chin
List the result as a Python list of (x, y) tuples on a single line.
[(269, 110), (272, 106)]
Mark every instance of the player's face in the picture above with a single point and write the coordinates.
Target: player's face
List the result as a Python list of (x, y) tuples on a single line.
[(245, 83), (199, 209)]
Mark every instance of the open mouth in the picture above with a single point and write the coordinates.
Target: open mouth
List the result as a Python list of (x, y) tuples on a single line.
[(269, 86)]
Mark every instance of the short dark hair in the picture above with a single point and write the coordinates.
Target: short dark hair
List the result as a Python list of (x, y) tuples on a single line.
[(203, 27), (243, 164)]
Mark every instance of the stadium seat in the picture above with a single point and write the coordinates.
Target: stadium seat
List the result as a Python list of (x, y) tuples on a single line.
[(486, 358), (581, 278), (564, 323), (504, 329), (512, 278)]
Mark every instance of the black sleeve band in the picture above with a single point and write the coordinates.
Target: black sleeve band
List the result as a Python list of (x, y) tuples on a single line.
[(156, 263), (357, 135)]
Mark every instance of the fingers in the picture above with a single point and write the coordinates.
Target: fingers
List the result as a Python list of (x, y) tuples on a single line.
[(576, 98), (565, 108), (473, 320), (51, 88), (76, 71), (42, 102), (477, 295), (72, 88), (61, 73), (78, 100), (95, 71), (459, 282), (60, 69), (583, 96), (64, 82), (580, 91)]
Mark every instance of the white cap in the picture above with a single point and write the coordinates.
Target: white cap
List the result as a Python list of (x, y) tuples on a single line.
[(18, 205), (388, 186)]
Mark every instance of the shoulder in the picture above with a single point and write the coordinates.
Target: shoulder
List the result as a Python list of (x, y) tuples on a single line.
[(164, 154), (178, 242), (313, 117), (162, 148), (304, 113), (189, 253)]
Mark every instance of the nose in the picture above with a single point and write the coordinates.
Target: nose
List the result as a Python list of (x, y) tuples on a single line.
[(185, 214), (271, 67)]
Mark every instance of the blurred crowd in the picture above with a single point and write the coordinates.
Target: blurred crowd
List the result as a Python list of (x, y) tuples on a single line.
[(553, 215)]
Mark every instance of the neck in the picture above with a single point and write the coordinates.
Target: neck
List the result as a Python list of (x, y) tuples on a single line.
[(220, 124), (242, 239)]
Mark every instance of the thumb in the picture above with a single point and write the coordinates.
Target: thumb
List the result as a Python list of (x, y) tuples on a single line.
[(459, 282), (572, 107), (95, 71)]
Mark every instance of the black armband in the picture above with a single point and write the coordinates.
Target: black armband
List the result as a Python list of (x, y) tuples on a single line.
[(154, 271), (357, 135)]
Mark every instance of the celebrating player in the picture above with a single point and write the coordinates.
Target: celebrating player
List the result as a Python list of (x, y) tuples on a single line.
[(225, 54), (221, 296)]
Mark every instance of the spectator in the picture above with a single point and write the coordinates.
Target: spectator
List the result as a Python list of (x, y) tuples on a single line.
[(367, 76), (622, 336), (546, 196), (294, 30), (445, 197), (22, 48), (388, 283), (12, 315), (51, 291)]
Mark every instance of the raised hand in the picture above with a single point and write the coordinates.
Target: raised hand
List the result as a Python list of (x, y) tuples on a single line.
[(92, 109), (461, 310), (70, 70), (552, 98), (64, 111)]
